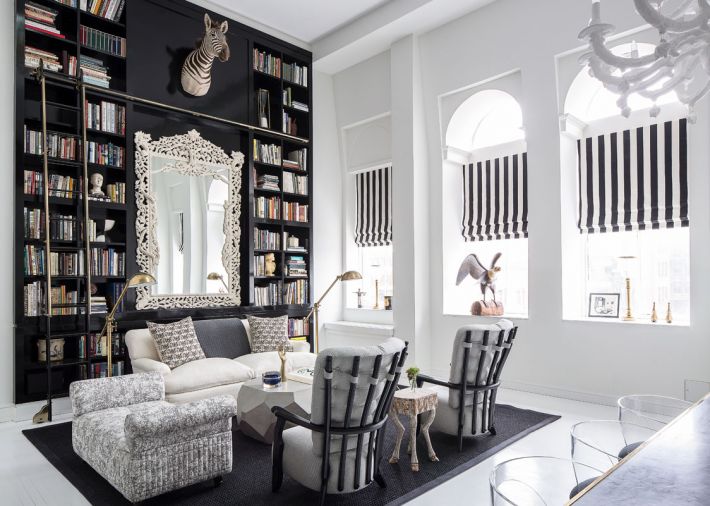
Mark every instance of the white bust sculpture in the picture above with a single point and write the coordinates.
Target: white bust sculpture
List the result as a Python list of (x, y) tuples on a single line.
[(96, 180)]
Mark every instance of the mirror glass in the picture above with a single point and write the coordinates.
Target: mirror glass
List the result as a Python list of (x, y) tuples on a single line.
[(189, 228)]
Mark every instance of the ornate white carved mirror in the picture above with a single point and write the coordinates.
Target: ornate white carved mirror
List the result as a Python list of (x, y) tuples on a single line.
[(187, 225)]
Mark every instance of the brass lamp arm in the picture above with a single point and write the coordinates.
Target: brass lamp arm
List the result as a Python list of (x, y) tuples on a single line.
[(109, 317), (317, 304)]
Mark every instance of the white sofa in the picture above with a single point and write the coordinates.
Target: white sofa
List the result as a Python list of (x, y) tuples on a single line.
[(229, 363)]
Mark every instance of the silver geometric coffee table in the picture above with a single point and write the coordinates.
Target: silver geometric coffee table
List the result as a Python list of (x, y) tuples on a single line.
[(254, 404)]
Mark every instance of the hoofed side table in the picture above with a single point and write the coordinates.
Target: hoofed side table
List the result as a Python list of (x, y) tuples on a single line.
[(412, 403)]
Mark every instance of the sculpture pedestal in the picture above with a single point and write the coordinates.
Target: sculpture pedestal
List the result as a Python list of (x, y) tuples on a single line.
[(490, 308)]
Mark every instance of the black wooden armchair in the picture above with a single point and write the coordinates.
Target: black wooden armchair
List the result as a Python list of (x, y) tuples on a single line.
[(467, 401), (339, 449)]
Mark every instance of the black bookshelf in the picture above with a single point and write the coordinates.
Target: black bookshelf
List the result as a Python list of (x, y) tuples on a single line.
[(66, 112)]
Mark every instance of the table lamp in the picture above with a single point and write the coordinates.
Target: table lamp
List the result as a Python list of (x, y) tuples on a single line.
[(214, 276), (346, 276)]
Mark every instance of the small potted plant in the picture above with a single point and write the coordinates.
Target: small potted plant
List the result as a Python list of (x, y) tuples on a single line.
[(412, 373)]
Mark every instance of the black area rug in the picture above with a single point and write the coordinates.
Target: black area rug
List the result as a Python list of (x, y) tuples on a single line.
[(249, 482)]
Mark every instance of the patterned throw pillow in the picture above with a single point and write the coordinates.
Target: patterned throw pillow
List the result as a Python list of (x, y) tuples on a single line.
[(176, 342), (269, 334)]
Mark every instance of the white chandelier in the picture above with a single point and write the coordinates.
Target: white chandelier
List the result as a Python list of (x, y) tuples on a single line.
[(680, 62)]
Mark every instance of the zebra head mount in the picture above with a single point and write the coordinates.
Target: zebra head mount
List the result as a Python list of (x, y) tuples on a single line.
[(195, 77)]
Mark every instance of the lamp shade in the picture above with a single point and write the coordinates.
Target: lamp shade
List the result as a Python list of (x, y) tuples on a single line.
[(350, 275), (141, 279)]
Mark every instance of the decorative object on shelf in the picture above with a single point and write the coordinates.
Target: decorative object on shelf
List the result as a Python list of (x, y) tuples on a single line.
[(108, 226), (654, 314), (271, 379), (346, 276), (472, 266), (215, 276), (185, 160), (680, 62), (604, 305), (97, 180), (270, 264), (359, 294), (377, 295), (195, 77), (669, 314), (388, 303), (141, 279), (263, 106), (412, 373), (627, 260), (282, 356), (56, 350)]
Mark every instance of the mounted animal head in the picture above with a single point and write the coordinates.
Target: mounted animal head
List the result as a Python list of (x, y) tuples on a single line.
[(215, 41)]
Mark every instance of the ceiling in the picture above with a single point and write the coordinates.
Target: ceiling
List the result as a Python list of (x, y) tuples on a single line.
[(306, 20)]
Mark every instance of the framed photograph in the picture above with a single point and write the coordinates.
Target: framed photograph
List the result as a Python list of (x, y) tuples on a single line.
[(604, 305)]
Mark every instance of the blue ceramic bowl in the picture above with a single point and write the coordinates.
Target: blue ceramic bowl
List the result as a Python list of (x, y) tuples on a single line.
[(271, 379)]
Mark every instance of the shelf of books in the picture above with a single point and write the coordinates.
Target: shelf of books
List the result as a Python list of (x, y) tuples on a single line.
[(70, 39)]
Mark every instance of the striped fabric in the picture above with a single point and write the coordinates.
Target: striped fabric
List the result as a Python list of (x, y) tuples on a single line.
[(495, 199), (373, 223), (634, 180)]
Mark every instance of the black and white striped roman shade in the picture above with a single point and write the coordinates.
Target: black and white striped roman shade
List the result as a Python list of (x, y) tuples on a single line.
[(373, 222), (634, 180), (495, 199)]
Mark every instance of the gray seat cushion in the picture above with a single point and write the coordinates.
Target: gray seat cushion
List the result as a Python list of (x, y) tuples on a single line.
[(222, 337)]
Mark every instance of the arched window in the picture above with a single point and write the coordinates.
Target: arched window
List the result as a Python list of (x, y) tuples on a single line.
[(485, 200), (629, 181)]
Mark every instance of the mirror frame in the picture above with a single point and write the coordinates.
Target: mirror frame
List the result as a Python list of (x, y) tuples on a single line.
[(195, 157)]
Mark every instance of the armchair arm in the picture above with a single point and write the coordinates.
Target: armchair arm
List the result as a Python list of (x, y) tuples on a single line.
[(149, 365), (423, 378), (285, 415), (104, 393)]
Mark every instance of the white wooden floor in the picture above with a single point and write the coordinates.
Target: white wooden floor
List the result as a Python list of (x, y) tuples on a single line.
[(26, 478)]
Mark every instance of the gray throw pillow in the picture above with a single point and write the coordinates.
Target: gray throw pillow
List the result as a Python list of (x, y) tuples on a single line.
[(269, 334), (176, 342)]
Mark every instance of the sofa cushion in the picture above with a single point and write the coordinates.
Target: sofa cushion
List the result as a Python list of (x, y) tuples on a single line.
[(222, 337), (269, 334), (176, 342), (259, 363), (206, 373)]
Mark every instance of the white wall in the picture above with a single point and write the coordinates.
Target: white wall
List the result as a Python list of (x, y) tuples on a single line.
[(7, 199), (596, 361)]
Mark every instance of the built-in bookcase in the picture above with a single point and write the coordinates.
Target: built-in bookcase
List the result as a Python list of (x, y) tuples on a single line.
[(66, 38)]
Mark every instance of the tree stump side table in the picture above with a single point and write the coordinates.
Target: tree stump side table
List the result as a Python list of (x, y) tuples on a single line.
[(412, 403)]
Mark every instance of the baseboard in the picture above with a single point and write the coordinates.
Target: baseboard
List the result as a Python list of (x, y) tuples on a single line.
[(26, 411), (592, 398), (7, 413)]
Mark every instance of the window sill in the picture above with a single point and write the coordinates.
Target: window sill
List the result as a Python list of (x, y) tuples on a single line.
[(357, 328), (490, 318), (619, 321)]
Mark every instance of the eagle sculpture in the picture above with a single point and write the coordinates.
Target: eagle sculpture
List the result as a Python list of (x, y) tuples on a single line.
[(473, 267)]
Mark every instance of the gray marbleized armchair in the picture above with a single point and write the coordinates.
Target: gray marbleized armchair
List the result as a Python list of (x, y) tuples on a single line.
[(141, 444), (467, 401), (338, 450)]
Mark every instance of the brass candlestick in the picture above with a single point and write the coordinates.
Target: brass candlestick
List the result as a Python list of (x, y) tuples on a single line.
[(377, 295), (629, 316), (654, 314), (669, 315)]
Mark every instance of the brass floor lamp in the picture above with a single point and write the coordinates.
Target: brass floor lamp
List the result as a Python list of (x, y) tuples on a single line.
[(137, 280), (346, 276)]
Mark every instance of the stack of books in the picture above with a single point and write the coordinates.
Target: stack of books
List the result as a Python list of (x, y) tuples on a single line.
[(298, 329), (267, 153), (267, 182), (289, 124), (60, 295), (295, 73), (33, 56), (113, 292), (33, 260), (93, 71), (33, 299), (296, 266), (296, 292), (288, 101), (66, 264), (39, 18), (296, 160), (98, 304), (265, 239), (293, 183), (293, 243), (116, 192), (266, 63), (269, 295), (61, 227), (260, 266), (107, 262), (58, 145), (102, 41), (267, 207), (34, 223), (293, 211), (107, 117), (105, 154), (59, 186), (109, 9)]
